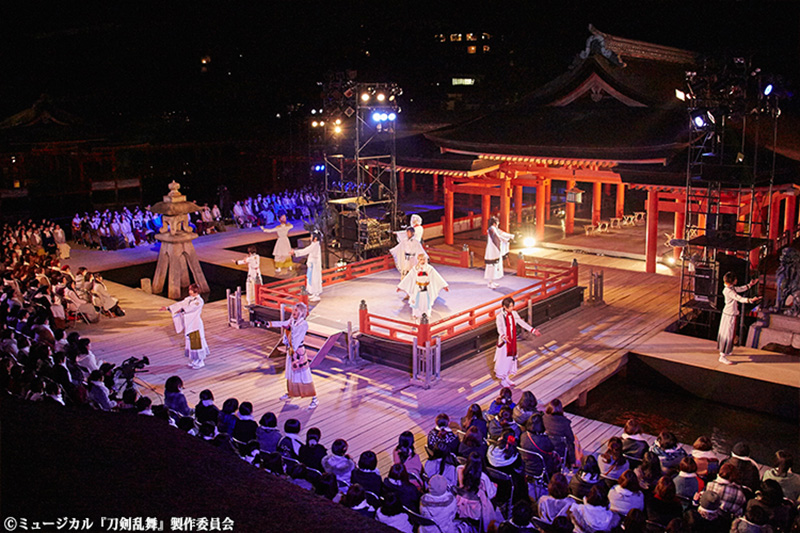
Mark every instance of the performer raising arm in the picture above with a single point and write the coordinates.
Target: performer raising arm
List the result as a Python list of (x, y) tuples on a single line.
[(313, 267), (727, 325), (422, 284), (283, 248), (496, 247), (187, 319), (407, 249), (505, 356), (253, 262), (299, 382)]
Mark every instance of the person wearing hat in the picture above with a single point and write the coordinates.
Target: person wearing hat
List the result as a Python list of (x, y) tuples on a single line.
[(438, 504), (745, 466), (708, 518), (314, 266)]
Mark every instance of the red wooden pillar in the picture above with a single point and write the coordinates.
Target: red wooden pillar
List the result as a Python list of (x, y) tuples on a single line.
[(701, 223), (449, 199), (548, 192), (505, 204), (401, 182), (486, 212), (569, 218), (651, 238), (680, 226), (607, 189), (790, 216), (597, 196), (620, 210), (518, 202), (435, 187), (540, 212), (413, 183), (775, 216)]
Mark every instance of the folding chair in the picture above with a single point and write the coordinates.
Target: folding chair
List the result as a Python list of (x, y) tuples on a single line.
[(418, 520), (499, 477), (373, 499)]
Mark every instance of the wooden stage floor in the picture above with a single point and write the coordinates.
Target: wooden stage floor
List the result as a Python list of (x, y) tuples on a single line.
[(340, 302), (368, 404)]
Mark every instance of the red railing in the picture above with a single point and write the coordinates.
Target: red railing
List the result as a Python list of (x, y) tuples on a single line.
[(290, 291), (554, 282), (538, 268), (449, 257)]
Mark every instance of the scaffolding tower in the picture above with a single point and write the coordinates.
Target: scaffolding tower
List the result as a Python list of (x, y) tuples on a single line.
[(361, 178), (724, 226)]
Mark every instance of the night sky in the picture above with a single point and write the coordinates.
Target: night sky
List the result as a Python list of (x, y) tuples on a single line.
[(144, 58)]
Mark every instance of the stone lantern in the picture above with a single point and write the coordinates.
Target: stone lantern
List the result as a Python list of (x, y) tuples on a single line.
[(177, 254)]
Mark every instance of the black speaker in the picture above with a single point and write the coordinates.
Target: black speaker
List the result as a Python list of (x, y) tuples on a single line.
[(704, 282)]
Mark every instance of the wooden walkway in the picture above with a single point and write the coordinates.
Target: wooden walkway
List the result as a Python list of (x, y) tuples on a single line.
[(702, 353), (369, 405)]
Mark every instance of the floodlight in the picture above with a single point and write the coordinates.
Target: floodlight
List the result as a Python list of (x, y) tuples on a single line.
[(384, 116), (529, 242), (321, 123), (381, 97), (337, 129), (313, 111), (314, 124), (680, 95), (365, 97), (699, 121), (376, 117), (392, 116), (768, 89), (338, 121)]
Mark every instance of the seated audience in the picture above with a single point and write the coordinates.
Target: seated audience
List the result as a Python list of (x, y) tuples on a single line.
[(559, 428), (268, 434), (338, 462), (474, 418), (557, 501), (732, 498), (442, 436), (502, 400), (439, 504), (205, 410), (397, 483), (366, 473), (611, 462), (391, 513), (782, 472), (245, 428), (586, 478), (633, 444), (593, 514), (687, 483), (669, 452), (663, 505), (705, 458), (356, 499), (289, 445), (527, 406), (312, 453), (649, 471), (404, 454), (747, 469), (626, 494)]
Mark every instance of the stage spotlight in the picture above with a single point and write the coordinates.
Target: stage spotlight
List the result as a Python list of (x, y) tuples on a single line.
[(768, 89), (703, 119), (314, 124), (529, 242), (392, 116), (671, 260), (384, 116), (381, 97), (321, 123), (337, 129), (376, 117), (365, 97), (699, 121), (680, 95), (338, 121)]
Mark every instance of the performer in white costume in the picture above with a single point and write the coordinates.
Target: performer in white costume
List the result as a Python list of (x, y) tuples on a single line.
[(416, 222), (299, 381), (187, 319), (505, 355), (61, 242), (314, 267), (407, 249), (283, 248), (253, 262), (422, 284), (496, 247), (727, 325)]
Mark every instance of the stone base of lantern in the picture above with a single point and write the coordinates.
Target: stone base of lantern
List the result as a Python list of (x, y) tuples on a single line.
[(176, 258)]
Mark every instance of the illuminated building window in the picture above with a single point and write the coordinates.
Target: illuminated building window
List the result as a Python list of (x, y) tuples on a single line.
[(463, 81), (455, 37), (486, 48), (472, 49), (486, 36), (472, 37)]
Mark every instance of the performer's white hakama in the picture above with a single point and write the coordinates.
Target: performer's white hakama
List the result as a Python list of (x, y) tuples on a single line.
[(505, 355), (422, 284), (727, 325), (299, 382), (61, 243), (187, 319), (283, 248), (253, 263), (406, 252), (314, 269), (496, 247)]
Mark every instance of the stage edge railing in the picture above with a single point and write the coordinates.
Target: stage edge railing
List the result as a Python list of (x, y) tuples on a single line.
[(424, 332)]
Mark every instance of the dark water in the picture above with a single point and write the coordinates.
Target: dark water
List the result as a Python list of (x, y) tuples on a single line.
[(219, 278), (265, 248), (619, 399)]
